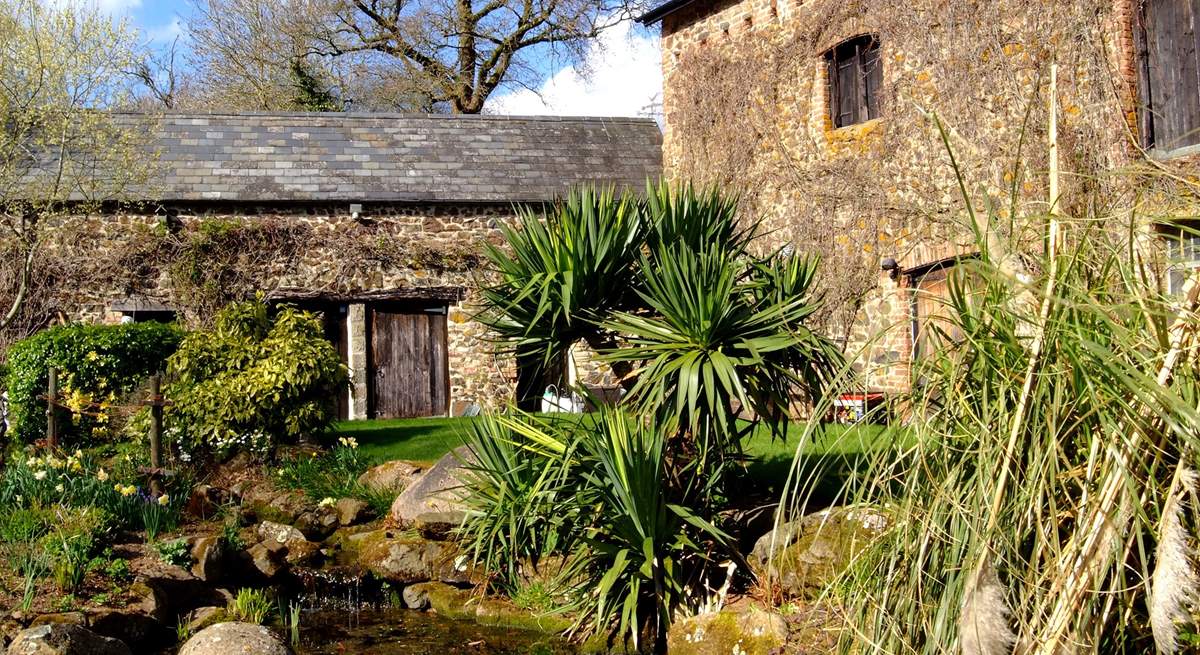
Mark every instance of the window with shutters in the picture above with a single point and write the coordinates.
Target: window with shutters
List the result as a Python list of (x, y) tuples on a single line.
[(1183, 255), (855, 78), (1168, 40)]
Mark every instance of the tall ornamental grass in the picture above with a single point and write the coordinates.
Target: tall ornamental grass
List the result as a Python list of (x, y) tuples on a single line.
[(1044, 497)]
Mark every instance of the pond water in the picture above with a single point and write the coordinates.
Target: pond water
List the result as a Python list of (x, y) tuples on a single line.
[(409, 632)]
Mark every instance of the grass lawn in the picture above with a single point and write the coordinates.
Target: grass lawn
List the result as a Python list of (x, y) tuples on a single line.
[(836, 448)]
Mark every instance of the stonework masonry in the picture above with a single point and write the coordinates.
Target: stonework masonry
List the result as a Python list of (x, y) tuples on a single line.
[(746, 105)]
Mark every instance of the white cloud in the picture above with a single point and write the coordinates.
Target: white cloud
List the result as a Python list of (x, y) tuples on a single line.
[(166, 33), (111, 7), (624, 79)]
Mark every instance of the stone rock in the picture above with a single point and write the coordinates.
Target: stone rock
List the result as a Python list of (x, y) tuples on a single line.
[(60, 618), (205, 501), (202, 617), (502, 613), (268, 559), (208, 553), (235, 639), (415, 596), (436, 491), (438, 526), (392, 477), (288, 507), (753, 632), (813, 550), (352, 511), (318, 524), (131, 626), (407, 561), (269, 531), (171, 593), (303, 553), (448, 601), (62, 639)]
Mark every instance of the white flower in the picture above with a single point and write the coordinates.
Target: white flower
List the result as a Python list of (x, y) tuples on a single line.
[(348, 442), (40, 475), (59, 488), (327, 502), (102, 475), (164, 500)]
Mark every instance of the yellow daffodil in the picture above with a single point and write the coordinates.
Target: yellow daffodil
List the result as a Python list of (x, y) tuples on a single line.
[(348, 442), (59, 488), (327, 502), (39, 475), (102, 475), (92, 356), (128, 490), (164, 499)]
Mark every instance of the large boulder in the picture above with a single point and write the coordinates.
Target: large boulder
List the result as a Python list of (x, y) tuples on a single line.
[(752, 632), (802, 556), (235, 639), (64, 639), (391, 477), (437, 492), (407, 561), (352, 511)]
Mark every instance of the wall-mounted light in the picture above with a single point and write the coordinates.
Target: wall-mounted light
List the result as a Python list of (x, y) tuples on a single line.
[(355, 211), (890, 265)]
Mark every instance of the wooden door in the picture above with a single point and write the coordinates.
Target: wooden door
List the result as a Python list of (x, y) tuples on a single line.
[(409, 373), (930, 295)]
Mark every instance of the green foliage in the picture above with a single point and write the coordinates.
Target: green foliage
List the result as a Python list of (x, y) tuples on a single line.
[(97, 365), (174, 552), (596, 491), (254, 378), (333, 475), (251, 606), (311, 94)]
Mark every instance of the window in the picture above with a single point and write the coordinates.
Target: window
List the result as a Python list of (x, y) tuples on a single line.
[(855, 77), (1169, 73), (1183, 255)]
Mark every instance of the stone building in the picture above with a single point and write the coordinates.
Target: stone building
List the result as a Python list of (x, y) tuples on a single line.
[(824, 114), (377, 221)]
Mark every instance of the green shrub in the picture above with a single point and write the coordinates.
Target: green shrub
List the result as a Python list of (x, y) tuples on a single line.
[(254, 378), (97, 363)]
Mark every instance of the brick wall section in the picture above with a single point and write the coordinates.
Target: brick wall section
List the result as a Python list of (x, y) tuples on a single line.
[(908, 164)]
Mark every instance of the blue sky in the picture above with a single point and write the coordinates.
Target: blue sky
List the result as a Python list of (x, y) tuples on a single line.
[(624, 80)]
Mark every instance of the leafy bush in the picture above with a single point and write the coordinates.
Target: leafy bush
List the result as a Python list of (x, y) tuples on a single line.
[(254, 378), (596, 491), (97, 363)]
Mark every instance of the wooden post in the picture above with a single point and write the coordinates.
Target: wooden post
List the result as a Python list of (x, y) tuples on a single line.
[(156, 414), (52, 409)]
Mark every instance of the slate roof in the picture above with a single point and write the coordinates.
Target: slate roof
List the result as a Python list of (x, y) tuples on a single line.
[(662, 11), (395, 157)]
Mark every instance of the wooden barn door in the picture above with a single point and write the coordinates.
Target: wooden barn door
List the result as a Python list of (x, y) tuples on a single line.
[(409, 374), (931, 293)]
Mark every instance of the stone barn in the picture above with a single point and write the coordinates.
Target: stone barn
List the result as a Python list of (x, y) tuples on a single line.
[(377, 222)]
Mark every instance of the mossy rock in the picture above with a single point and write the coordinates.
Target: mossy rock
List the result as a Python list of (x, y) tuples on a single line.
[(502, 613), (449, 601), (803, 556), (752, 632)]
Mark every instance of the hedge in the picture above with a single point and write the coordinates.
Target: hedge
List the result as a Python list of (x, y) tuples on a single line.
[(98, 364)]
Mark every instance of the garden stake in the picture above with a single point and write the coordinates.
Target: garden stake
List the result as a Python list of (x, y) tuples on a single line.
[(156, 412), (52, 408)]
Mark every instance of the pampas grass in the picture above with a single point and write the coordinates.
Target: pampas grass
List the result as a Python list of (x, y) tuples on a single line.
[(983, 621), (1175, 586)]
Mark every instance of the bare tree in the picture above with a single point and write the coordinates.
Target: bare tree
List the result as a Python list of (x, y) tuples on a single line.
[(61, 154), (161, 78), (432, 55)]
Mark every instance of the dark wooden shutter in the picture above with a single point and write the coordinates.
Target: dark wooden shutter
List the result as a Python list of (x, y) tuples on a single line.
[(1173, 71), (855, 78), (872, 80)]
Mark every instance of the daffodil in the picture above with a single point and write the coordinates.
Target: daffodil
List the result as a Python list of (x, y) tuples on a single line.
[(164, 500), (128, 490), (102, 475), (327, 502), (39, 475), (59, 488), (348, 442)]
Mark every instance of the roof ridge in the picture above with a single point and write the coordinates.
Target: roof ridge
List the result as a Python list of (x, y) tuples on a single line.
[(369, 115)]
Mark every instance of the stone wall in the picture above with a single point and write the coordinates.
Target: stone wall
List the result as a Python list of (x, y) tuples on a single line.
[(114, 256), (746, 104)]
